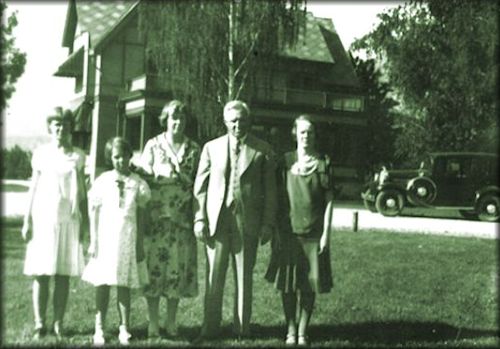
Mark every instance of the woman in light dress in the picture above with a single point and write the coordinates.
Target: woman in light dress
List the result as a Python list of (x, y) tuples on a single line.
[(300, 264), (170, 159), (117, 200), (56, 220)]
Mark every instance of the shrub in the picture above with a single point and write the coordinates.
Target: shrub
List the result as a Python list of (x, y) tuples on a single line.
[(16, 163)]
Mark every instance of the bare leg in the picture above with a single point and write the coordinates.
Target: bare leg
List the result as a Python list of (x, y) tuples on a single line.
[(306, 309), (153, 305), (289, 300), (40, 299), (101, 303), (123, 301), (60, 299), (171, 324)]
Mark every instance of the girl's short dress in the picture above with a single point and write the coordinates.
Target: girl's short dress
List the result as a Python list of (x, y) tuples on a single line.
[(118, 198), (296, 264), (55, 248)]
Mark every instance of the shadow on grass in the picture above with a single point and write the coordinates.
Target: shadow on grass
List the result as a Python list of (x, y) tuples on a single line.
[(387, 333), (391, 333)]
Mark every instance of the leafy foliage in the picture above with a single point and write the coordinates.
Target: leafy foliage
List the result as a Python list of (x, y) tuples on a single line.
[(207, 52), (13, 60), (16, 163), (441, 58), (380, 134)]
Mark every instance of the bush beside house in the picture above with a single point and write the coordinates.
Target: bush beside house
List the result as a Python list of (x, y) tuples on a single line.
[(16, 163)]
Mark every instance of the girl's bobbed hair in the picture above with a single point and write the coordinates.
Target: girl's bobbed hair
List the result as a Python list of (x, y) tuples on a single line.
[(116, 143)]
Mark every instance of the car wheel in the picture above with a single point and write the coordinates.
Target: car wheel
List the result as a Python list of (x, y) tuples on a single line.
[(370, 205), (468, 214), (421, 191), (389, 202), (488, 208)]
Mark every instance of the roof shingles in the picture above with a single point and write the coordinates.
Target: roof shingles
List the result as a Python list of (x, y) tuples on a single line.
[(98, 17)]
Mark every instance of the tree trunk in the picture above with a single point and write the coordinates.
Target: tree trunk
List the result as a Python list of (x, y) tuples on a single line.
[(230, 51)]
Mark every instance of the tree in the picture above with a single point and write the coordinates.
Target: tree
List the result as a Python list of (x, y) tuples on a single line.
[(441, 59), (13, 60), (16, 163), (380, 136), (209, 52)]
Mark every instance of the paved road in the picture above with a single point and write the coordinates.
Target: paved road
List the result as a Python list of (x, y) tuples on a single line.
[(413, 221), (452, 226)]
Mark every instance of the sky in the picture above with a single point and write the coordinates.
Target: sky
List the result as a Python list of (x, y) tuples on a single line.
[(39, 34)]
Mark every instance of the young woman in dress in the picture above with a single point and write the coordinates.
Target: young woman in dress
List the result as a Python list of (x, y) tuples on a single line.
[(55, 220), (117, 200), (300, 264), (170, 159)]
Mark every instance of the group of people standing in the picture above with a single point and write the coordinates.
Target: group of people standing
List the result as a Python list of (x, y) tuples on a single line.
[(145, 220)]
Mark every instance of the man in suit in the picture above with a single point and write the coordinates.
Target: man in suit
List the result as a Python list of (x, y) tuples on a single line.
[(235, 205)]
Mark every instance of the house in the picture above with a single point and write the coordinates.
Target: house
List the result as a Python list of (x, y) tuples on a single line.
[(114, 96)]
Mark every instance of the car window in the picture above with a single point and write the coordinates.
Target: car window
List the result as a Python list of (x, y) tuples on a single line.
[(453, 168), (480, 167)]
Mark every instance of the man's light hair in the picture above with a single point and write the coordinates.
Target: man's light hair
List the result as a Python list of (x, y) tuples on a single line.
[(240, 106)]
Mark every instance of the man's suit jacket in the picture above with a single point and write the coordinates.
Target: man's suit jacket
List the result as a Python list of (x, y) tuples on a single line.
[(257, 184)]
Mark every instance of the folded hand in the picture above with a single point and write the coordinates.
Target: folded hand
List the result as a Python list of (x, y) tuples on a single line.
[(200, 231), (26, 231), (266, 233)]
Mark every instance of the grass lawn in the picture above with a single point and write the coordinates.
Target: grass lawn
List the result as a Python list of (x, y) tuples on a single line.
[(14, 188), (390, 290)]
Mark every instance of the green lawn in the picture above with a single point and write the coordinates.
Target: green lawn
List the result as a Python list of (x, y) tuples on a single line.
[(14, 188), (390, 290)]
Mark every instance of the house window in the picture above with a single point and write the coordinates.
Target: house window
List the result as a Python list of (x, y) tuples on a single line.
[(133, 132), (354, 104)]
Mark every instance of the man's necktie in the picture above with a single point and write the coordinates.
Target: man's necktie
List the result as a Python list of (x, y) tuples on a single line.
[(234, 176)]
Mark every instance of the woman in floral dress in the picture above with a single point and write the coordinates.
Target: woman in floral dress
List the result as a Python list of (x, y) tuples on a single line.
[(171, 159)]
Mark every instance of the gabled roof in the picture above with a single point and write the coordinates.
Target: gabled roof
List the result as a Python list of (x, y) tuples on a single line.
[(98, 18), (319, 42), (311, 44)]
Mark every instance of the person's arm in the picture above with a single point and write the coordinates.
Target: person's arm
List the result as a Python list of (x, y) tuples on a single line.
[(200, 195), (270, 200), (147, 158), (83, 205), (324, 241), (141, 226), (94, 224), (95, 202), (144, 195), (27, 229)]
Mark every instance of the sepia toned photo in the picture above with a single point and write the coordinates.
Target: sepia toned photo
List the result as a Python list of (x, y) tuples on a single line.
[(250, 173)]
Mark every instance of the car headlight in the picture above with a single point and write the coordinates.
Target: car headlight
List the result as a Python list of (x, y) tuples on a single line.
[(383, 176)]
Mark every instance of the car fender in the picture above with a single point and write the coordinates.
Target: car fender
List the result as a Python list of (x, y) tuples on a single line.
[(486, 190), (393, 186)]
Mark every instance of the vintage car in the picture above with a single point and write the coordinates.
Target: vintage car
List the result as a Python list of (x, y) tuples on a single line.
[(465, 181)]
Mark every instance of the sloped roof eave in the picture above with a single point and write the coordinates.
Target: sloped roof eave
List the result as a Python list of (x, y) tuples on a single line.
[(120, 22), (72, 66)]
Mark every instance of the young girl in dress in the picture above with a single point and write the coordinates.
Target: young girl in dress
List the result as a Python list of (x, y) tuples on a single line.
[(55, 220), (117, 200)]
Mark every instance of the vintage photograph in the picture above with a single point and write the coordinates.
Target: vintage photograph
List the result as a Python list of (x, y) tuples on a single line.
[(250, 173)]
